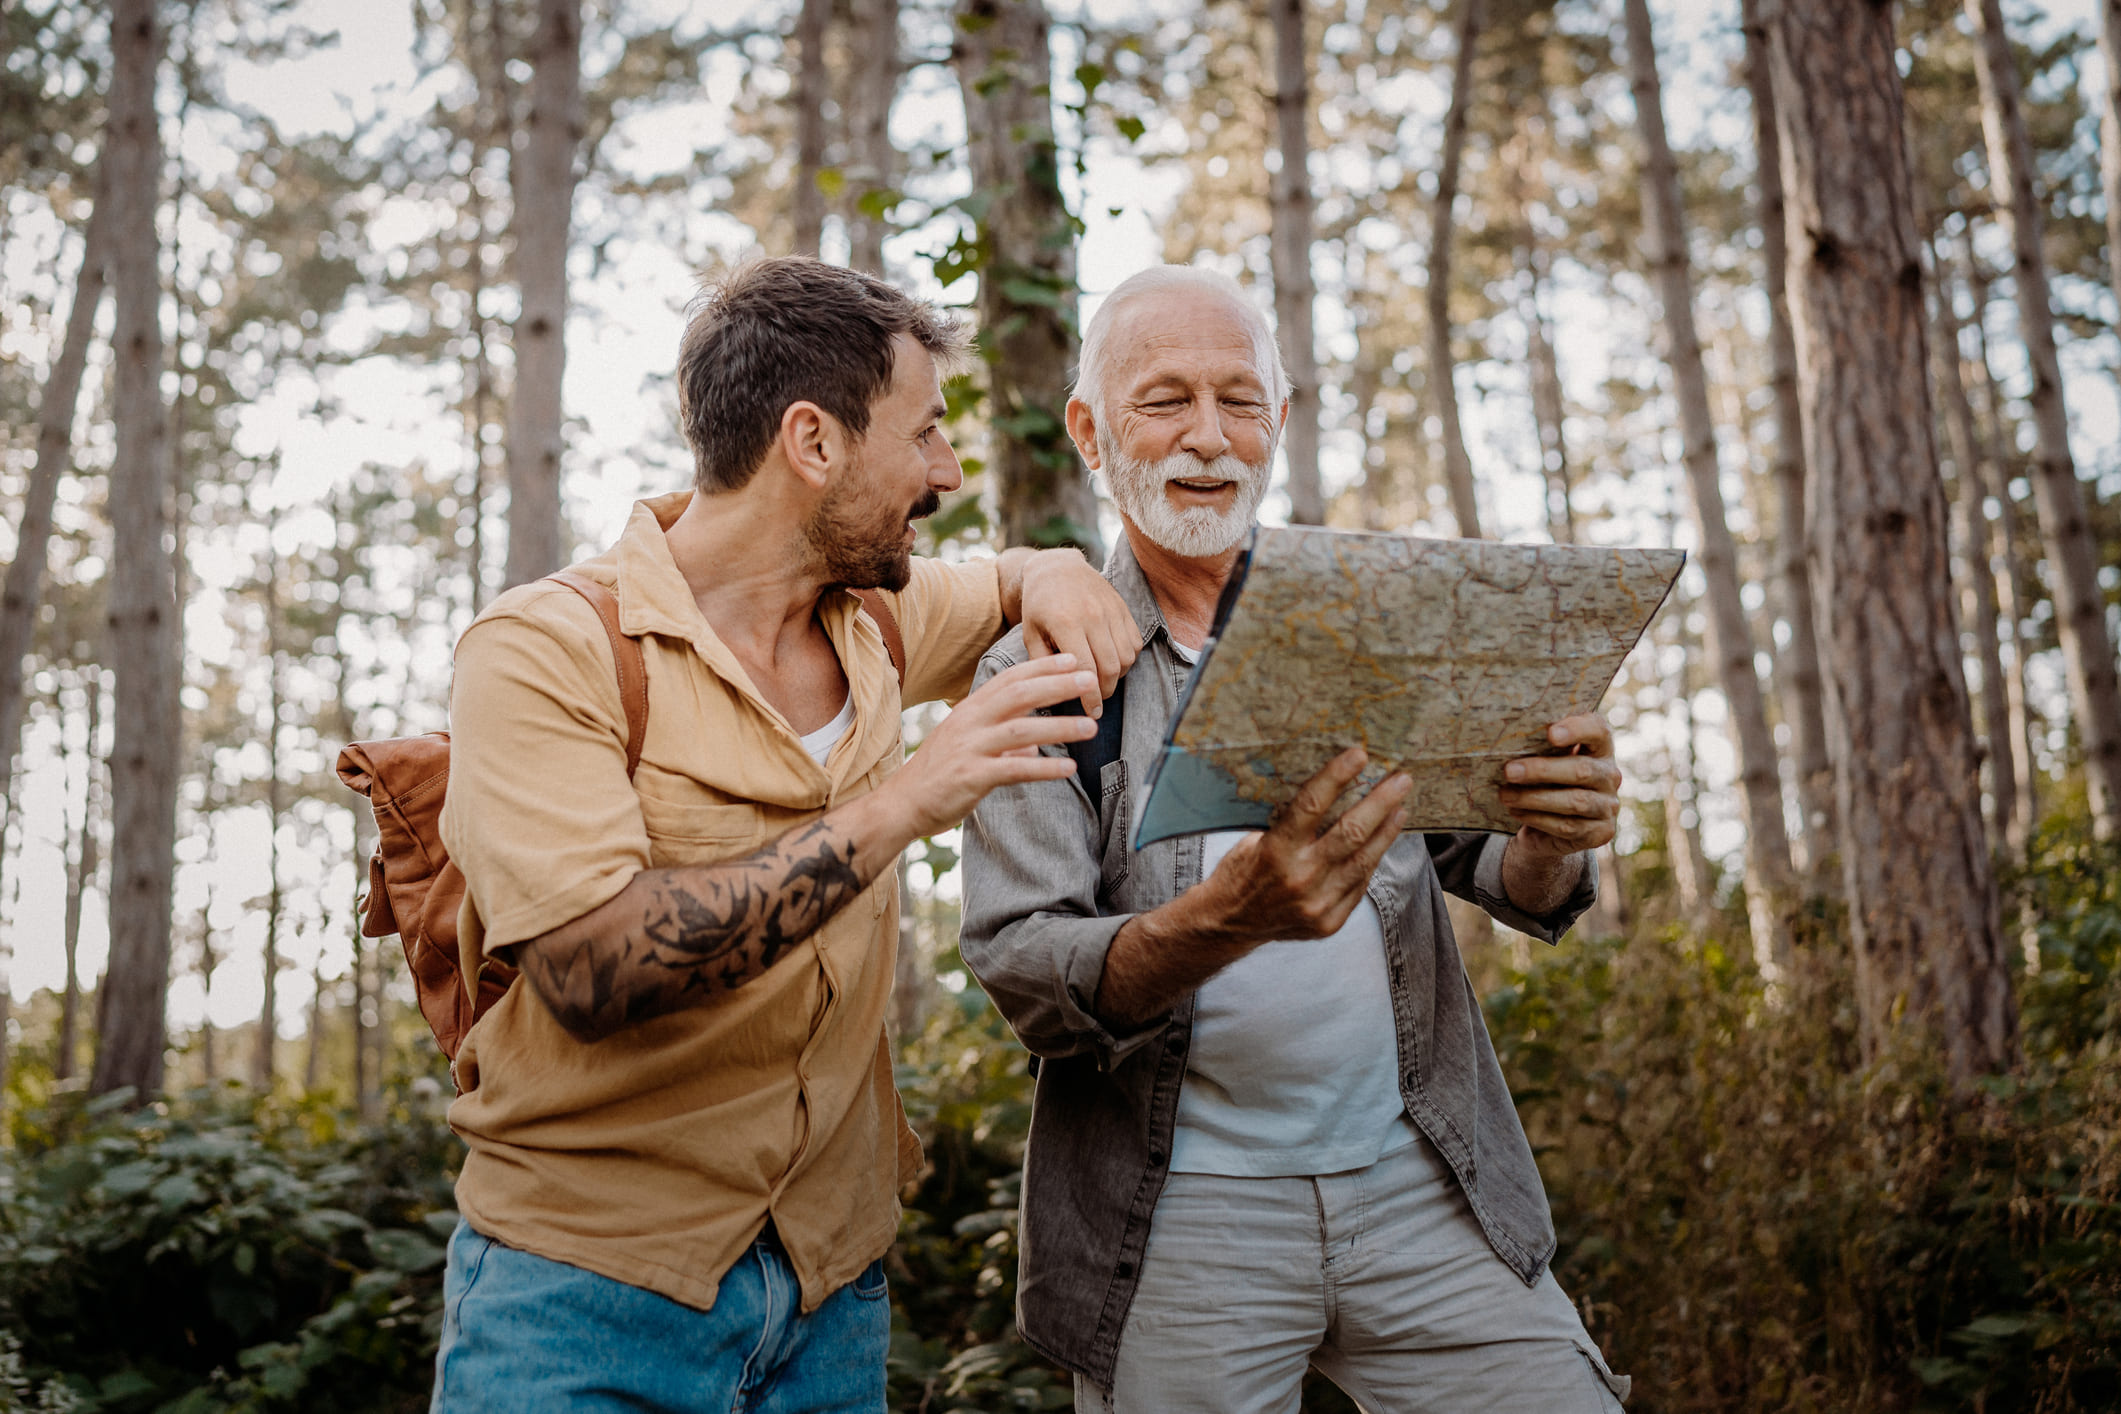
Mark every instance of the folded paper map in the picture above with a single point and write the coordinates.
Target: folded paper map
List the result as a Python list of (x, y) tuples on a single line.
[(1441, 658)]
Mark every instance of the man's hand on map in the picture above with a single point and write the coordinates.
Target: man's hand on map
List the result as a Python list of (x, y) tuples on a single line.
[(1566, 804)]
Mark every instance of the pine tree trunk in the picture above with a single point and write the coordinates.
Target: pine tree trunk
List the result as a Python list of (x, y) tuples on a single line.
[(2110, 135), (1922, 898), (2065, 520), (2012, 603), (312, 1065), (261, 1064), (912, 979), (1294, 292), (1549, 411), (24, 585), (543, 178), (142, 606), (1802, 696), (1769, 877), (79, 877), (807, 201), (870, 95), (1971, 529), (1458, 466), (209, 963), (1003, 60)]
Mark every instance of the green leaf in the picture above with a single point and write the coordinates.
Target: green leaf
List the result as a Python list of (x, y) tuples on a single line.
[(177, 1191), (246, 1258), (403, 1250), (125, 1384), (831, 181), (1089, 75), (442, 1222), (1130, 127), (128, 1179)]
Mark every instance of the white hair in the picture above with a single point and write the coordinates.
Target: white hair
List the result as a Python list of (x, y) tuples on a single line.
[(1162, 279)]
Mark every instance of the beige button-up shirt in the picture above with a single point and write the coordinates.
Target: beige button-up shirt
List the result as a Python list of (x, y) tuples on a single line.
[(655, 1156)]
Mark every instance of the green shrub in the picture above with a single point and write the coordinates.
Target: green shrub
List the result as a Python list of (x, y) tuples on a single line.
[(212, 1253), (1757, 1219)]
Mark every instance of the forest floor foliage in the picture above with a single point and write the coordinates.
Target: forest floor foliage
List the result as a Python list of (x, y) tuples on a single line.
[(1752, 1215)]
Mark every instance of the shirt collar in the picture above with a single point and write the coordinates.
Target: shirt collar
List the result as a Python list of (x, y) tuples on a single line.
[(1124, 573), (653, 594)]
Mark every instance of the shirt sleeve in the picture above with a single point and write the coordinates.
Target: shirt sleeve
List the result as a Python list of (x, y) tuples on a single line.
[(949, 614), (1470, 866), (540, 814), (1031, 931)]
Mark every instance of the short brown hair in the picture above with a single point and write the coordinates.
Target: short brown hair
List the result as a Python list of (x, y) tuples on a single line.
[(787, 330)]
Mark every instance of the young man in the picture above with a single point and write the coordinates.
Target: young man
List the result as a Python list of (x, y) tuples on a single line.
[(1269, 1130), (684, 1141)]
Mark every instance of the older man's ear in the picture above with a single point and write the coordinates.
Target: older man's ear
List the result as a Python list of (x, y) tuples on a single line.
[(1082, 428)]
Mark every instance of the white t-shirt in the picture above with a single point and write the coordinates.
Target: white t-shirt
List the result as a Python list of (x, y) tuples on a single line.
[(1294, 1064), (819, 744)]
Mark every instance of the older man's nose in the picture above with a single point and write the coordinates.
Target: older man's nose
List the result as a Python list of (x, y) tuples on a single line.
[(1204, 436)]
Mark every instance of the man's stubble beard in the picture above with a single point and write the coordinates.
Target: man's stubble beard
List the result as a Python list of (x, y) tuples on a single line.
[(858, 543), (1198, 533)]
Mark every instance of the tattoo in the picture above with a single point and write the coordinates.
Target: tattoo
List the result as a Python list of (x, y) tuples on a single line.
[(677, 938)]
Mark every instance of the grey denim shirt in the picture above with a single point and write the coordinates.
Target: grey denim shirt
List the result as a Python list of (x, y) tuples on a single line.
[(1049, 880)]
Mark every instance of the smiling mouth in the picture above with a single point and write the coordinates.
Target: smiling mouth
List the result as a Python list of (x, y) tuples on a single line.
[(1200, 487)]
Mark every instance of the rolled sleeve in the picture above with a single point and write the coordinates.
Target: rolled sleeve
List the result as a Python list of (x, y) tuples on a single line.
[(540, 816), (1032, 933), (948, 614), (1470, 866)]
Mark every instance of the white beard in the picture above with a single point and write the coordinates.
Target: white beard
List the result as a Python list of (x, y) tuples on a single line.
[(1196, 533)]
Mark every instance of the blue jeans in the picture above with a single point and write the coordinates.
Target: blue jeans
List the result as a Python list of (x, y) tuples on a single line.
[(523, 1334)]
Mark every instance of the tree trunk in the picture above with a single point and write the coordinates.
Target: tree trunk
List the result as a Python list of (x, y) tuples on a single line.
[(312, 1065), (912, 979), (1769, 878), (1970, 522), (261, 1063), (209, 963), (2110, 136), (80, 875), (543, 178), (7, 953), (2010, 575), (1458, 467), (24, 585), (1548, 408), (870, 95), (807, 202), (2065, 521), (1922, 899), (1802, 697), (142, 606), (1004, 63), (1294, 292)]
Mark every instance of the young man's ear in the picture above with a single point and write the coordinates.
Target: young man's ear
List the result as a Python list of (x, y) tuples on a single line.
[(813, 442)]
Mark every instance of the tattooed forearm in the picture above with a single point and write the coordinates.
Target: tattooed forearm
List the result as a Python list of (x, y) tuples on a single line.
[(676, 938)]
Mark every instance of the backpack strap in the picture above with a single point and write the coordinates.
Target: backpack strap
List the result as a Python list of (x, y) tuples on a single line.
[(1100, 751), (625, 657), (887, 623)]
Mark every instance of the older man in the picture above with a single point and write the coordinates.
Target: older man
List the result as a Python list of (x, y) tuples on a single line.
[(1270, 1130)]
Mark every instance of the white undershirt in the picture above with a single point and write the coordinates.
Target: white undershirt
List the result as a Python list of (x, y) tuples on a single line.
[(1294, 1064), (819, 743)]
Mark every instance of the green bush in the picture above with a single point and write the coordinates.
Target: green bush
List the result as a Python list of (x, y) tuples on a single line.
[(214, 1253), (1757, 1219)]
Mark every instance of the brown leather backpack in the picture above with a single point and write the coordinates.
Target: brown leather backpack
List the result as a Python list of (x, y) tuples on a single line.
[(415, 891)]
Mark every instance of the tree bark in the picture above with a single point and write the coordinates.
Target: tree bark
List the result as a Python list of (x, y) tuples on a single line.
[(1769, 877), (1922, 898), (24, 585), (142, 606), (869, 98), (80, 874), (807, 202), (1457, 465), (1003, 60), (2110, 136), (1294, 291), (1802, 695), (2065, 520), (1549, 411), (209, 963), (543, 178), (266, 1041), (2010, 574), (1971, 529)]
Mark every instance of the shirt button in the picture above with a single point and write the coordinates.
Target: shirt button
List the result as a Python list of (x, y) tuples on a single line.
[(1411, 1078), (1126, 1269), (1156, 1159)]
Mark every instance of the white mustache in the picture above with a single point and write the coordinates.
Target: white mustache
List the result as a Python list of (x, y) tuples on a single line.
[(1184, 466)]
